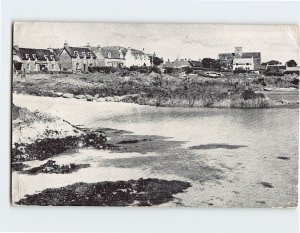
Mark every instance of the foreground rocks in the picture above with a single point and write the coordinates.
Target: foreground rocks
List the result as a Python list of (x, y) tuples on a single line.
[(39, 136), (142, 192), (51, 167)]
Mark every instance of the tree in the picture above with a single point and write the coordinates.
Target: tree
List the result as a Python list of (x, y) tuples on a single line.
[(291, 63), (272, 62), (211, 63), (207, 62)]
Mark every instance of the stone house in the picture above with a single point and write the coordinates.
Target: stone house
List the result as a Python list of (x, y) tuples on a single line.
[(30, 60), (77, 59)]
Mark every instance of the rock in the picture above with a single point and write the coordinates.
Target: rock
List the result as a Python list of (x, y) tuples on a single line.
[(100, 99), (109, 99), (57, 94), (116, 99), (79, 97), (68, 95), (89, 97)]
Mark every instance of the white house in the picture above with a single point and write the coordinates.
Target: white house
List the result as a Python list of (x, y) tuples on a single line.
[(135, 57), (243, 64)]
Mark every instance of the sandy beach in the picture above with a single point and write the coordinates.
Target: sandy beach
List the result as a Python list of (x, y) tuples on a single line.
[(226, 157)]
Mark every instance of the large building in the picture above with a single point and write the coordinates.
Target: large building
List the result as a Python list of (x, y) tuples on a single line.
[(30, 60), (249, 60)]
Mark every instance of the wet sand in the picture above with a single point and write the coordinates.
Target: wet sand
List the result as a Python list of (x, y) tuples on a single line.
[(224, 169)]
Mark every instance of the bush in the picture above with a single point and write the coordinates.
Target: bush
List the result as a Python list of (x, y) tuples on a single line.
[(292, 72), (240, 71), (248, 94)]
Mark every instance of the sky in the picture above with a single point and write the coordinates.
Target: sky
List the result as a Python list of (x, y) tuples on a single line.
[(170, 41)]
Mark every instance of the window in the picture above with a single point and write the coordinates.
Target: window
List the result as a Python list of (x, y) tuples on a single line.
[(237, 64), (27, 55), (247, 64)]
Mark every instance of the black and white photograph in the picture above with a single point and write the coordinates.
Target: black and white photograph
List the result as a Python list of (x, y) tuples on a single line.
[(154, 114)]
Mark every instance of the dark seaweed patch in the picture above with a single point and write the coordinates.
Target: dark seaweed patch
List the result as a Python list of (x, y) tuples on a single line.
[(142, 192), (216, 146), (51, 167)]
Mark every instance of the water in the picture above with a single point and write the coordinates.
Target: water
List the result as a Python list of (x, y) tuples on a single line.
[(235, 151)]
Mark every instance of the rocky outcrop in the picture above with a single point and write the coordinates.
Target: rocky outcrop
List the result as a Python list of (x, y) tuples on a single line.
[(38, 136)]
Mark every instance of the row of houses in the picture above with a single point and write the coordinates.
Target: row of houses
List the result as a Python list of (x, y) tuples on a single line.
[(77, 59)]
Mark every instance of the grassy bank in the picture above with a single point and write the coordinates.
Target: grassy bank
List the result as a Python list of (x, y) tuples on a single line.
[(232, 90)]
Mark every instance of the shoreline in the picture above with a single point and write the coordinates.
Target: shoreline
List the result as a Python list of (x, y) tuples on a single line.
[(238, 104), (232, 91)]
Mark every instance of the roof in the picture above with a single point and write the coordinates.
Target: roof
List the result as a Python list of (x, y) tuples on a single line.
[(279, 66), (84, 52), (115, 52), (58, 51), (195, 63), (118, 52), (251, 54), (40, 54), (244, 55), (178, 63)]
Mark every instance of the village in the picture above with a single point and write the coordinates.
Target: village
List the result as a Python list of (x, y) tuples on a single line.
[(113, 73), (90, 58)]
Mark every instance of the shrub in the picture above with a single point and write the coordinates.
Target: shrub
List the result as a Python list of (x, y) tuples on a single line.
[(240, 71), (248, 94)]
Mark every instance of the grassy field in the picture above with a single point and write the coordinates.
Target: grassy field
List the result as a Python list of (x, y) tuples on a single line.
[(231, 90)]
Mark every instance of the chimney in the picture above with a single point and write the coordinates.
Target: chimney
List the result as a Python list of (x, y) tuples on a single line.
[(88, 44), (66, 44)]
